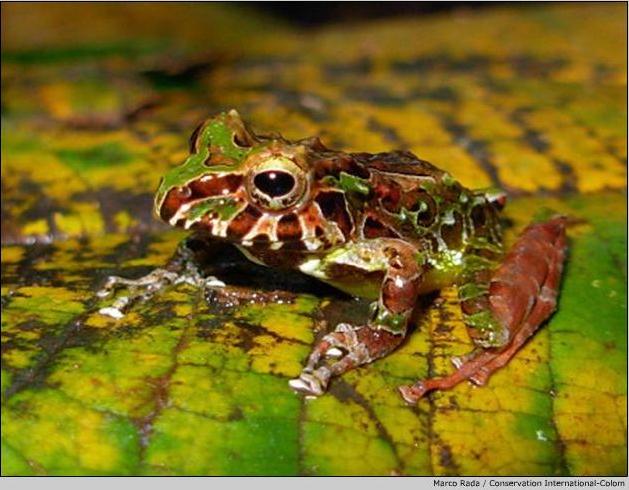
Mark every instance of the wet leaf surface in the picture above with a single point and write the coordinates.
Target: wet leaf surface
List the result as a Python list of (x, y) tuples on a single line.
[(183, 386)]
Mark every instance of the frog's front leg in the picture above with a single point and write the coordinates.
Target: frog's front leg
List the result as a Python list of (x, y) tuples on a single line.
[(183, 266), (401, 265), (505, 311)]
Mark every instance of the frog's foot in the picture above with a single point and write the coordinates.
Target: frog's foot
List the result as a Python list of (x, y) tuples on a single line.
[(478, 366), (351, 346), (521, 301), (147, 286), (466, 369)]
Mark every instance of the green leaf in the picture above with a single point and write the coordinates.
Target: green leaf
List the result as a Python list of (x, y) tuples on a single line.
[(532, 102)]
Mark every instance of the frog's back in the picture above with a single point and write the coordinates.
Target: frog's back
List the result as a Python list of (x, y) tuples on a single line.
[(418, 202)]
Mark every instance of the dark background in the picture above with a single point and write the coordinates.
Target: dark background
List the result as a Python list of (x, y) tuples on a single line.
[(318, 13)]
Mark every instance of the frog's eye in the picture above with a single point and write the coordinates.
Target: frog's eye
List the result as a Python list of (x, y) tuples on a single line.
[(274, 183), (277, 184)]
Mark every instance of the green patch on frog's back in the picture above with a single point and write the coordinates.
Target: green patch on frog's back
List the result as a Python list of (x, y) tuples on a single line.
[(349, 183)]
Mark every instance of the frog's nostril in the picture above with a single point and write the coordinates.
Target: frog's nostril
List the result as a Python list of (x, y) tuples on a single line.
[(274, 183)]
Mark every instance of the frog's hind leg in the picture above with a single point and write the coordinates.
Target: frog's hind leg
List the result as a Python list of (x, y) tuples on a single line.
[(522, 294)]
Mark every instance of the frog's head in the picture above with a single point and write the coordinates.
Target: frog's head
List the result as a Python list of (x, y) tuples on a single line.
[(248, 189)]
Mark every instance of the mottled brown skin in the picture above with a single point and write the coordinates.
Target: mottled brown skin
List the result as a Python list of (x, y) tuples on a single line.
[(386, 226)]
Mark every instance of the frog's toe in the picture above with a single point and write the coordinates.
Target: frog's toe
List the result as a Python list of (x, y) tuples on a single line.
[(312, 383), (117, 309), (109, 286), (412, 393), (346, 327), (112, 312), (336, 345), (334, 352), (481, 377), (457, 361)]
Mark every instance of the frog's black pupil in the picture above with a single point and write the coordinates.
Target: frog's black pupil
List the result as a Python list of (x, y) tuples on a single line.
[(274, 183)]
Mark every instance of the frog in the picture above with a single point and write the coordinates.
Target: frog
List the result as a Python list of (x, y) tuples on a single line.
[(387, 227)]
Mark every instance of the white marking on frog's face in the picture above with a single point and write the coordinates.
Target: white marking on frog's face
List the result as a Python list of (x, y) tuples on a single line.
[(308, 236), (332, 234), (266, 225), (208, 177), (183, 209), (219, 227)]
